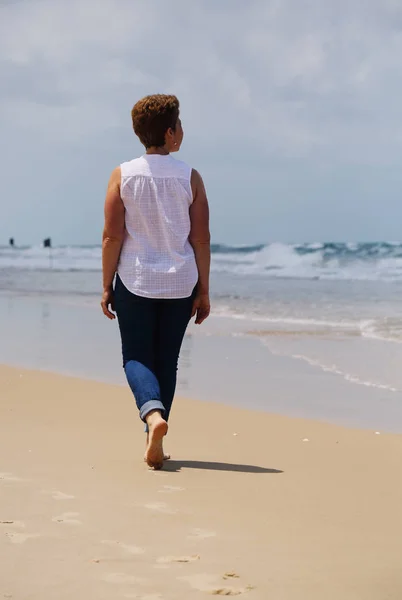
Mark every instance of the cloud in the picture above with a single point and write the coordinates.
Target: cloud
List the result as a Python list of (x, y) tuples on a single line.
[(299, 74), (292, 77), (260, 82)]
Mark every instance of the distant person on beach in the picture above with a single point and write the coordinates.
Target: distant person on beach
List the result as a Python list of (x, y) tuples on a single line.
[(156, 246)]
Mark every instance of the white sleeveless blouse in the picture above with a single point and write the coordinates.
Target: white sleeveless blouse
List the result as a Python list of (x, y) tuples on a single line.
[(157, 260)]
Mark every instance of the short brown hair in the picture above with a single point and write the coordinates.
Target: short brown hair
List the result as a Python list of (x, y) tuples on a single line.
[(153, 116)]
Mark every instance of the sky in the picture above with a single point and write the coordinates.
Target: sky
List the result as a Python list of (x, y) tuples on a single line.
[(291, 111)]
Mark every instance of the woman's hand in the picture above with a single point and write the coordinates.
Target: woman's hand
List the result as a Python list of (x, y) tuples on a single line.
[(108, 300), (201, 307)]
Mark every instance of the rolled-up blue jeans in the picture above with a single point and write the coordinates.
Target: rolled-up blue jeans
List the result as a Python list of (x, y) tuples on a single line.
[(152, 332)]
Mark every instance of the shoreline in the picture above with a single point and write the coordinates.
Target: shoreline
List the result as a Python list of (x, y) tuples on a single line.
[(309, 376), (180, 398), (231, 371), (261, 513), (22, 371)]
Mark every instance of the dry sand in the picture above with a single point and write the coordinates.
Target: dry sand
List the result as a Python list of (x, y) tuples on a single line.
[(263, 506)]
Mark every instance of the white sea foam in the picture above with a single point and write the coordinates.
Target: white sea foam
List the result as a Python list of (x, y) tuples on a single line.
[(67, 258), (386, 329), (225, 312), (334, 369), (346, 261)]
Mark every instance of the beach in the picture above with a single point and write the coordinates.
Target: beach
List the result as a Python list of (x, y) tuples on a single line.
[(251, 504), (285, 439), (245, 155)]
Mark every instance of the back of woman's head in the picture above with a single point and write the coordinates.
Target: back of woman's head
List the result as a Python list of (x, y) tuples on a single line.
[(153, 116)]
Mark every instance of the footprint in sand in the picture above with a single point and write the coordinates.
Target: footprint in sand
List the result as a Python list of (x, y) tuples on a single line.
[(146, 597), (210, 584), (161, 507), (57, 495), (121, 578), (201, 534), (170, 489), (9, 477), (131, 549), (68, 518), (20, 538), (12, 524), (157, 473), (177, 559)]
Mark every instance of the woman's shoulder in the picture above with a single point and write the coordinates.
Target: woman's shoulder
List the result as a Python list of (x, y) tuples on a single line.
[(181, 166), (133, 166)]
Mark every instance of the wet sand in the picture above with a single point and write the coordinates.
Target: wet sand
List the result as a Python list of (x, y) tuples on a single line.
[(252, 504), (299, 376)]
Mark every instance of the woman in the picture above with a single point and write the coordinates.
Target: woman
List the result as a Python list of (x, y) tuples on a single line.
[(156, 242)]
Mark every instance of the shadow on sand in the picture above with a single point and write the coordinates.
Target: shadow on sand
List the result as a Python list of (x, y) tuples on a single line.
[(174, 466)]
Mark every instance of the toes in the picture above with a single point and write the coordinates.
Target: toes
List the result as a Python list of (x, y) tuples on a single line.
[(151, 463), (156, 466)]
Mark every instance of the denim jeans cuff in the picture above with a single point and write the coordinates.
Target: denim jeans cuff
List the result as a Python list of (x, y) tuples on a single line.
[(149, 406)]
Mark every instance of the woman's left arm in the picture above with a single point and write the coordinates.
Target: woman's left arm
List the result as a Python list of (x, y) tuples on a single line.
[(113, 236)]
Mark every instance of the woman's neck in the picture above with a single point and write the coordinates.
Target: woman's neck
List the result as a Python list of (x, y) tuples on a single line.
[(157, 150)]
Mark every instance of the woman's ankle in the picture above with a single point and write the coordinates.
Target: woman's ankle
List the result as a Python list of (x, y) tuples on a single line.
[(153, 417)]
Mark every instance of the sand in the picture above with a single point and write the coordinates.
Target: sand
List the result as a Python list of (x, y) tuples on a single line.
[(253, 505)]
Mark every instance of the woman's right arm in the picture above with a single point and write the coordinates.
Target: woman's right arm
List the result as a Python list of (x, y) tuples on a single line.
[(112, 241), (200, 240)]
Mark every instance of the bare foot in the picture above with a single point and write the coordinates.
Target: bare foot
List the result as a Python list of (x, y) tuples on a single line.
[(157, 430), (165, 456)]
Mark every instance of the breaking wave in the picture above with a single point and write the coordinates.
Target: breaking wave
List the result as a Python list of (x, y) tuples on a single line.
[(377, 261)]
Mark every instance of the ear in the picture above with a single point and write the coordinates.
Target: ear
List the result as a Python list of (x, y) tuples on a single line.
[(169, 136)]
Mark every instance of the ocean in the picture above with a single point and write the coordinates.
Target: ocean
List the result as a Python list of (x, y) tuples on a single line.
[(331, 311), (376, 261), (344, 287)]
